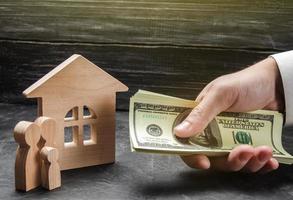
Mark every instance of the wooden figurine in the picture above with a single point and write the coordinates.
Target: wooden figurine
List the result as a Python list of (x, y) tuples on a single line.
[(81, 97), (50, 170), (27, 165), (48, 131)]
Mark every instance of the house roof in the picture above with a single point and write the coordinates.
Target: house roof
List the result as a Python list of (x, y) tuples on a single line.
[(75, 74)]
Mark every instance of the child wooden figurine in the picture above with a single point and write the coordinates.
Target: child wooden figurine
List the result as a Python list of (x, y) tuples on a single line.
[(50, 171)]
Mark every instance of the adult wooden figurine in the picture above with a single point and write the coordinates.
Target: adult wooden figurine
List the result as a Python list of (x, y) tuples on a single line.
[(48, 131), (27, 163)]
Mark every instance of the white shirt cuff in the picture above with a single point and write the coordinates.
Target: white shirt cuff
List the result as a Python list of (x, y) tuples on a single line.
[(285, 64)]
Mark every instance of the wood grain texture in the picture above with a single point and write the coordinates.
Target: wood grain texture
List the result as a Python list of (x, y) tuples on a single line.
[(71, 86), (238, 24), (27, 162), (168, 46), (50, 169), (174, 71), (48, 131)]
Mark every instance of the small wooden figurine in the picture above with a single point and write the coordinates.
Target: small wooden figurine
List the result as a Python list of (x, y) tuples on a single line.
[(27, 165), (50, 170)]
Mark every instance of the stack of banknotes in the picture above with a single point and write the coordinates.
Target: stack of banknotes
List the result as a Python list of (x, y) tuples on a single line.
[(153, 116)]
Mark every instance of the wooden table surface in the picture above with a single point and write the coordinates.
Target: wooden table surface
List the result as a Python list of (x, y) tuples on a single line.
[(140, 176)]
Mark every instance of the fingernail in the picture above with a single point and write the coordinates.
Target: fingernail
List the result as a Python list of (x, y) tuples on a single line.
[(206, 164), (263, 157), (244, 157), (183, 126)]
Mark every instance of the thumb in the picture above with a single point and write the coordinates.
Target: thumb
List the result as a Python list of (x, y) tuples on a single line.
[(211, 105)]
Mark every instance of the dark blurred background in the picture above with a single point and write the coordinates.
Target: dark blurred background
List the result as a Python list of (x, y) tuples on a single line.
[(170, 46)]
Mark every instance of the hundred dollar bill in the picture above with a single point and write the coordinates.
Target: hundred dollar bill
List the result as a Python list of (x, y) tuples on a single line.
[(152, 118)]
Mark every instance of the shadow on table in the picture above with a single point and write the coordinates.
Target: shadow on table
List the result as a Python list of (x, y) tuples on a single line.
[(71, 180), (196, 182), (98, 180)]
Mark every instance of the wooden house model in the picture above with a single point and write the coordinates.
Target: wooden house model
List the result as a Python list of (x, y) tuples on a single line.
[(81, 97)]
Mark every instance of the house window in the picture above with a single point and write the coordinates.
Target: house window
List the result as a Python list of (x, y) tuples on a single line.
[(70, 134), (80, 126), (71, 114)]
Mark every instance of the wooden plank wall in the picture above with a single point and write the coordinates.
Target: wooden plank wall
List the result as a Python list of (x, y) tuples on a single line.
[(171, 46)]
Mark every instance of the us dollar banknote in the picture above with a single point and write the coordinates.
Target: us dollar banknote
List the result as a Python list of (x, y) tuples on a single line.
[(153, 116)]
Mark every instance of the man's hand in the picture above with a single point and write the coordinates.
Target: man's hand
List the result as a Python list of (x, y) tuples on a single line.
[(256, 87)]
